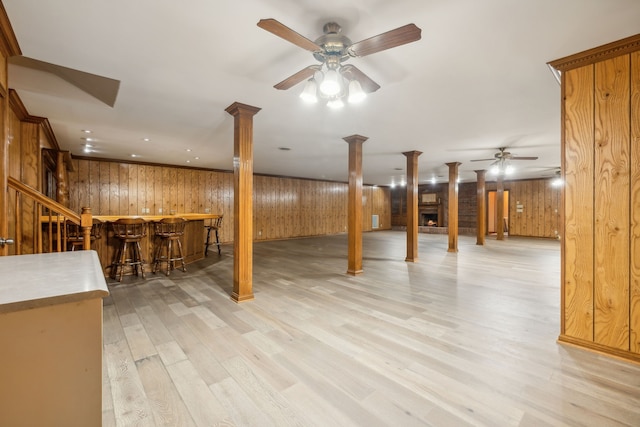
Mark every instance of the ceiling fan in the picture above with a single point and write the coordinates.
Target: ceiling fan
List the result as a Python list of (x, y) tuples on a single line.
[(501, 161), (331, 79)]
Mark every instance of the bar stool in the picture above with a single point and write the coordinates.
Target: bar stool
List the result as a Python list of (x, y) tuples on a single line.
[(130, 232), (169, 230), (75, 237), (215, 225)]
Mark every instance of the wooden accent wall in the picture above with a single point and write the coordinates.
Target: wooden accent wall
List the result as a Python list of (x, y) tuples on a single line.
[(283, 207), (601, 167), (27, 136), (8, 47), (534, 208), (540, 216)]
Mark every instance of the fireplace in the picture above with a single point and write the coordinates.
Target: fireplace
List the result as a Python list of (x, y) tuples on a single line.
[(429, 219), (430, 215)]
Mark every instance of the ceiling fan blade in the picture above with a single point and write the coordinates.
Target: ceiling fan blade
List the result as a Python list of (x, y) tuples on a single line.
[(296, 78), (368, 85), (481, 160), (282, 31), (403, 35), (523, 158)]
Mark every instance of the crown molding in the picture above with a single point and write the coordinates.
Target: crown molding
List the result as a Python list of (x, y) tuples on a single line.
[(598, 54), (23, 115)]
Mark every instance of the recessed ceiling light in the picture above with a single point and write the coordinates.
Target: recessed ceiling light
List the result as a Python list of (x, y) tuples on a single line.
[(134, 155), (86, 131), (188, 161), (188, 150), (87, 139), (197, 158), (146, 139)]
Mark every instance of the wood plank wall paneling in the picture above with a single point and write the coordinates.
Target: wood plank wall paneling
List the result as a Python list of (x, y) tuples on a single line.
[(539, 212), (601, 160), (611, 197), (578, 208), (283, 207), (634, 309), (540, 200), (30, 174), (13, 169)]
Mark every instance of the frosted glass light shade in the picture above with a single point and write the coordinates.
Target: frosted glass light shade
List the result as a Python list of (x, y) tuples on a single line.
[(309, 92), (335, 103), (330, 85)]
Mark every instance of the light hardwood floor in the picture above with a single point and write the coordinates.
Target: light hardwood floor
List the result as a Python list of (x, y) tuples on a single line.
[(466, 339)]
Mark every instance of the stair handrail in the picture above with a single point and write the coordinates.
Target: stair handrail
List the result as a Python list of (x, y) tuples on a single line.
[(84, 220)]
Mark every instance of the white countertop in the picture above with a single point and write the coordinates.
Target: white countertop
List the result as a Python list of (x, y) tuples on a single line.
[(30, 281)]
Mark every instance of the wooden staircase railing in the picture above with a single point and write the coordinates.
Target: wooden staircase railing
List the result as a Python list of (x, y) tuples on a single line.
[(53, 220)]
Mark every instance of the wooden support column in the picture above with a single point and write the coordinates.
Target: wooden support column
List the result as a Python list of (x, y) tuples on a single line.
[(242, 200), (453, 206), (481, 208), (500, 207), (354, 205), (412, 205)]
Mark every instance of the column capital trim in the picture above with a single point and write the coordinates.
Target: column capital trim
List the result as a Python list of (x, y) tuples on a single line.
[(413, 153), (355, 138), (238, 108)]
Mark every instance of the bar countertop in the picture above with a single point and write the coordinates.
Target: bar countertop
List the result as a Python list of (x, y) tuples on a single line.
[(150, 218), (31, 281)]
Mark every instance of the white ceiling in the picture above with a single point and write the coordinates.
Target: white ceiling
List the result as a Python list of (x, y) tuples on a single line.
[(476, 81)]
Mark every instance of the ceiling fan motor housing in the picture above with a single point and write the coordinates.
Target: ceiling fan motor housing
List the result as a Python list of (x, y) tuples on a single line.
[(334, 45)]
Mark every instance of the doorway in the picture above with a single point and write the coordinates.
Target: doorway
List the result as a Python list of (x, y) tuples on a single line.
[(492, 211)]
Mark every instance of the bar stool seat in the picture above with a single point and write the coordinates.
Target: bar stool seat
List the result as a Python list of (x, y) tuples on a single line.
[(215, 225), (169, 230), (75, 237), (129, 231)]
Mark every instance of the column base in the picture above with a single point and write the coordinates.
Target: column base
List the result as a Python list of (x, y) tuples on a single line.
[(241, 298)]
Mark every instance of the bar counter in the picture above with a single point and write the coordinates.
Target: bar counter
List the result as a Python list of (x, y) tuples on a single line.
[(192, 241), (51, 335)]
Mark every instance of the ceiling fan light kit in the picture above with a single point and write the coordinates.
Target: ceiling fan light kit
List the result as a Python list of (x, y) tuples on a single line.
[(502, 162), (500, 168), (332, 80)]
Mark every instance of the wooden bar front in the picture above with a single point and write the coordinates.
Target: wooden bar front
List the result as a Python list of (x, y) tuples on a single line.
[(192, 241)]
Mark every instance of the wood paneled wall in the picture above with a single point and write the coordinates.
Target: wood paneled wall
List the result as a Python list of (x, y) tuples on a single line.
[(8, 47), (283, 207), (539, 201), (26, 138), (601, 163), (534, 208)]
